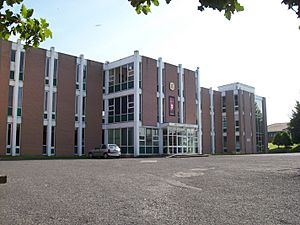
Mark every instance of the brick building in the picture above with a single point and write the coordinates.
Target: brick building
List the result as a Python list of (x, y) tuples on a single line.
[(56, 104)]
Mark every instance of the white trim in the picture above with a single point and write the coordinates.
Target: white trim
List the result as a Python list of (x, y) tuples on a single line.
[(18, 47), (119, 94), (212, 121), (199, 112), (50, 54), (118, 125), (121, 62), (137, 60), (181, 86), (160, 96)]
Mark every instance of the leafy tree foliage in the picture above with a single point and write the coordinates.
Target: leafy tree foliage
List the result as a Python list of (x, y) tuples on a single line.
[(282, 138), (32, 31), (294, 125), (229, 7), (286, 139), (276, 140)]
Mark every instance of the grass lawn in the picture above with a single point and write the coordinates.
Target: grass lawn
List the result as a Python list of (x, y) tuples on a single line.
[(281, 147)]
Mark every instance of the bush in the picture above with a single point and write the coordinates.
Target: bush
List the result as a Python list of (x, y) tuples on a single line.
[(282, 138)]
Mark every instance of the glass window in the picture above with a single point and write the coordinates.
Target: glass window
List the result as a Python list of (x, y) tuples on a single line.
[(124, 73), (52, 136), (46, 101), (45, 135), (224, 101), (9, 129), (84, 73), (83, 105), (13, 55), (110, 136), (54, 102), (10, 96), (117, 137), (47, 67), (22, 63), (124, 136), (124, 105), (20, 97), (55, 68), (117, 106), (18, 135), (149, 137), (130, 136)]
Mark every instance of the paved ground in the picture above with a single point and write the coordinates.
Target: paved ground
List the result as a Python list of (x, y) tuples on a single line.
[(256, 189)]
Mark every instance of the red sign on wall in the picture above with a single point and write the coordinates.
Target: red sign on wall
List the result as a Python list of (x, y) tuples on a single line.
[(171, 105)]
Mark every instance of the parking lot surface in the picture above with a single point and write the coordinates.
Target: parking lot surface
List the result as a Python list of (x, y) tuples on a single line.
[(250, 189)]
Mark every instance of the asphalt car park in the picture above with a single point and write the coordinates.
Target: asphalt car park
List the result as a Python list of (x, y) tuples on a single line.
[(250, 189)]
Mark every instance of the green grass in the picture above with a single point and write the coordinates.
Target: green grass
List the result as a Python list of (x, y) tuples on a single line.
[(272, 146), (283, 149)]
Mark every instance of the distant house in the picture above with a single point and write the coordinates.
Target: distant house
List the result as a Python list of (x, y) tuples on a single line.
[(273, 129)]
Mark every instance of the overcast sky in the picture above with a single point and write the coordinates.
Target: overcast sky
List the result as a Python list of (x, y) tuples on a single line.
[(259, 47)]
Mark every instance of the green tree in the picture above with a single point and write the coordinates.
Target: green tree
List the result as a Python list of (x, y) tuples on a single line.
[(31, 30), (229, 7), (294, 125), (286, 139), (277, 139)]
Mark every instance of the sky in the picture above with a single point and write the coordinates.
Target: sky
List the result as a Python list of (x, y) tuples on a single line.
[(258, 47)]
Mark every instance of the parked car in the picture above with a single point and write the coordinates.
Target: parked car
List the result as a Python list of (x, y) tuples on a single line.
[(105, 151)]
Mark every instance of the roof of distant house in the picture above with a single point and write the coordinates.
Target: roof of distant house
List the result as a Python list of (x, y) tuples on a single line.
[(276, 127)]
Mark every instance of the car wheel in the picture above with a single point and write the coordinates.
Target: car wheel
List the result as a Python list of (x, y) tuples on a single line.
[(90, 155), (105, 155)]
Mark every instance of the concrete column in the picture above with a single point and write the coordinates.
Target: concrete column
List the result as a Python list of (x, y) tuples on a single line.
[(136, 103), (160, 66), (181, 86), (199, 111), (50, 100), (212, 121), (80, 105), (106, 74), (15, 99)]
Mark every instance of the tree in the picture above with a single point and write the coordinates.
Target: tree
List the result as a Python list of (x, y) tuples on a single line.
[(31, 30), (229, 7), (282, 138), (277, 139), (286, 139), (294, 125)]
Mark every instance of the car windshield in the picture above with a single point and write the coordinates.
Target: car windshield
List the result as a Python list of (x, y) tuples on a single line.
[(111, 145)]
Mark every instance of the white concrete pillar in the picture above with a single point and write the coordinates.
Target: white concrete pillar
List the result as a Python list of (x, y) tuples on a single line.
[(199, 111), (15, 98), (136, 103), (50, 100), (80, 105), (181, 87), (106, 74), (160, 66), (212, 121)]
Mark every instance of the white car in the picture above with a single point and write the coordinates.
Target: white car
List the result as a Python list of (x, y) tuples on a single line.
[(105, 151)]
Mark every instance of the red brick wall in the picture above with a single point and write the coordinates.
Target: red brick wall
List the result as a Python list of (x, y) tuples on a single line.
[(190, 96), (65, 113), (149, 91), (94, 105), (206, 124), (33, 102), (5, 49), (218, 121)]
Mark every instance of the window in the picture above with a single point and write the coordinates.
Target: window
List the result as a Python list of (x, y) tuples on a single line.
[(224, 104), (44, 140), (54, 102), (18, 135), (83, 105), (10, 100), (13, 55), (76, 141), (8, 136), (22, 64), (55, 72)]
